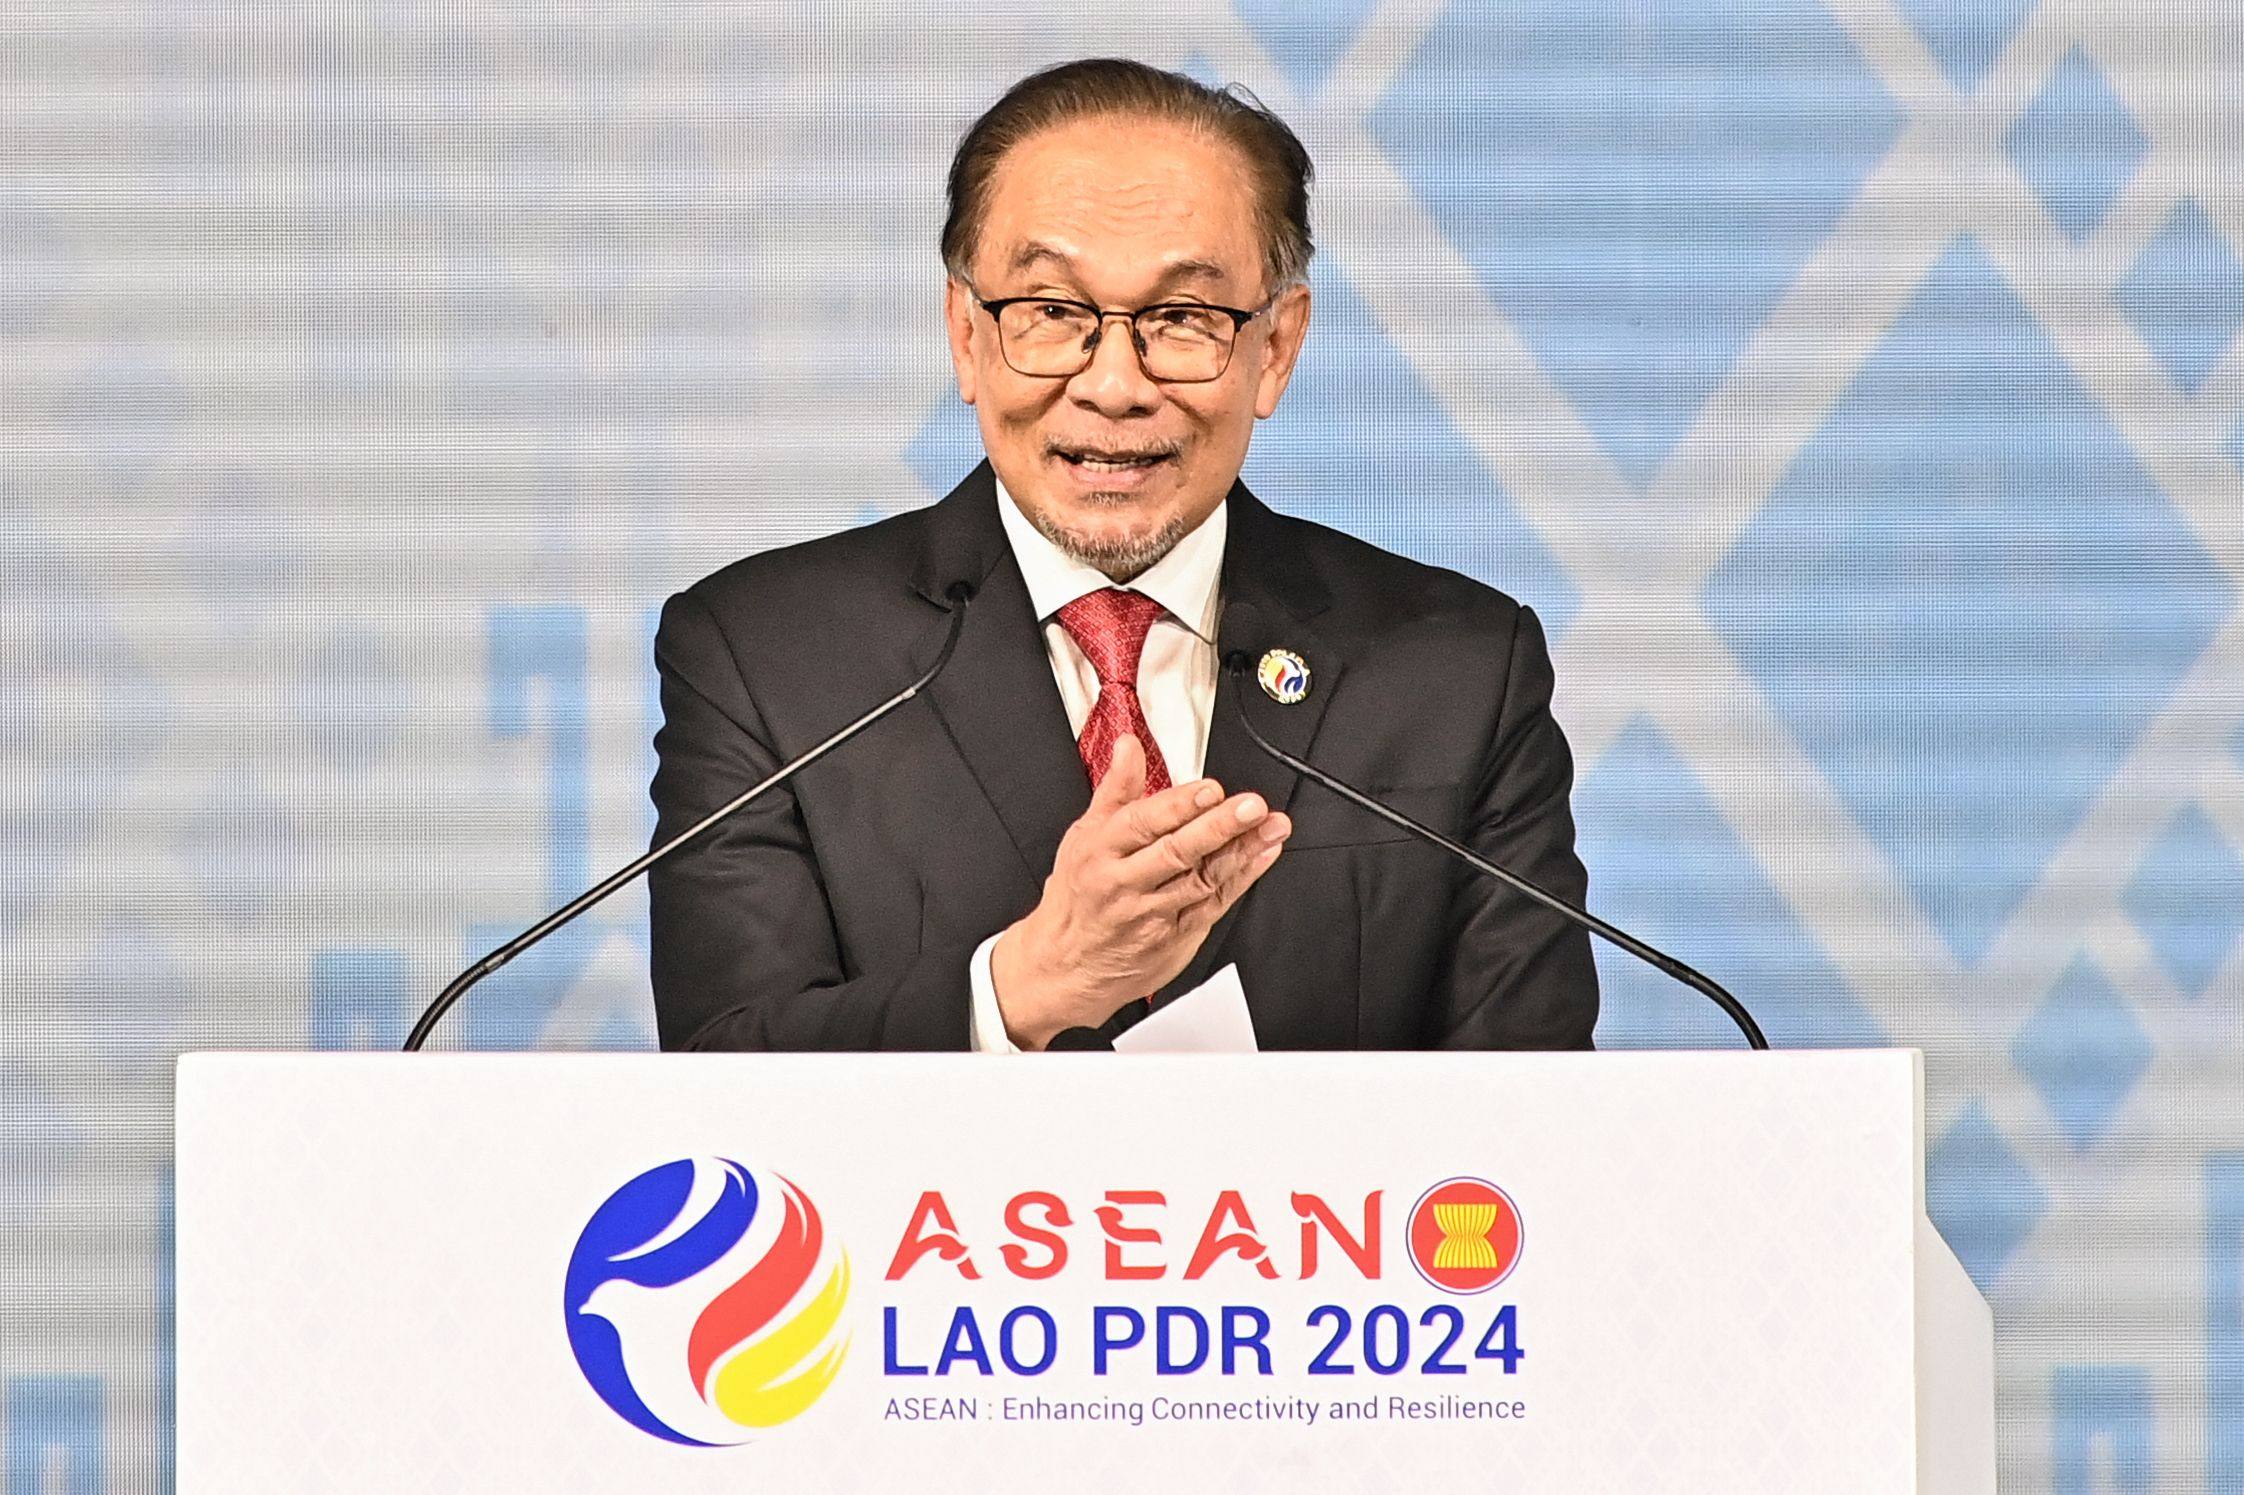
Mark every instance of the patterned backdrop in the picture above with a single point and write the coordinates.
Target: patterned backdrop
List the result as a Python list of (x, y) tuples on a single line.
[(1854, 386)]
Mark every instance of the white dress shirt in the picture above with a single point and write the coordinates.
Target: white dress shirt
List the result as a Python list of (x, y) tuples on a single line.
[(1176, 672)]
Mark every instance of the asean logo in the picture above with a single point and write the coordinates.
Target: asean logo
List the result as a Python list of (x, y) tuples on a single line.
[(704, 1302), (1465, 1235)]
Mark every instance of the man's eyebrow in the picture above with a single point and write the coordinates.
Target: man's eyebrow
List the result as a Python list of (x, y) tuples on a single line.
[(1184, 270), (1032, 254)]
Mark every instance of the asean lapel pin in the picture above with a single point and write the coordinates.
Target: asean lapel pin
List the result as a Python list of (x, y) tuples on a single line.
[(1284, 676)]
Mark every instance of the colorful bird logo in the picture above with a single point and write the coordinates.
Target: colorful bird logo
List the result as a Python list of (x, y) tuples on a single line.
[(704, 1302), (1284, 676)]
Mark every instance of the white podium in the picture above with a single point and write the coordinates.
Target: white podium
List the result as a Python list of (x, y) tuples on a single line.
[(1283, 1272)]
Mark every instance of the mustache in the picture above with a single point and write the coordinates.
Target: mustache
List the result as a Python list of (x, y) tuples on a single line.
[(1112, 452)]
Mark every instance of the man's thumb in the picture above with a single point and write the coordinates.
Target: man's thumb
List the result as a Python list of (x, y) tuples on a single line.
[(1125, 776)]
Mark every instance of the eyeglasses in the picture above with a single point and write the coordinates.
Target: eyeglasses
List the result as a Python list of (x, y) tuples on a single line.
[(1178, 342)]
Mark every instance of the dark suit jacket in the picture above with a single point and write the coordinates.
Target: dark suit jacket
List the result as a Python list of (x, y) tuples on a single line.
[(841, 912)]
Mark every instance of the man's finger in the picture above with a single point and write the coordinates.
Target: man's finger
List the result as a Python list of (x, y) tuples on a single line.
[(1143, 822), (1233, 884), (1234, 869), (1186, 846), (1124, 779), (1220, 880), (1197, 919)]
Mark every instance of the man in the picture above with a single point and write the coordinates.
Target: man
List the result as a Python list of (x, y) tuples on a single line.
[(1073, 824)]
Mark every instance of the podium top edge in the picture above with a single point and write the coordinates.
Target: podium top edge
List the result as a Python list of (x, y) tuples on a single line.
[(210, 1059)]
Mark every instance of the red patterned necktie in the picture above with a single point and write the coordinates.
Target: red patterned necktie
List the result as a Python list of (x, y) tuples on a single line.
[(1110, 628)]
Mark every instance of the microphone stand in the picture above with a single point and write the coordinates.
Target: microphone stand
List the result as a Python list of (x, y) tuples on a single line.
[(1236, 668), (959, 593)]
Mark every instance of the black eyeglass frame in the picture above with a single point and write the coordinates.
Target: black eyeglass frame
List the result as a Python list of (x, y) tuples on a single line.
[(1239, 320)]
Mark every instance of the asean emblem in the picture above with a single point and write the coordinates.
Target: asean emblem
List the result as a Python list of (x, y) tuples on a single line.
[(1465, 1235), (1284, 676)]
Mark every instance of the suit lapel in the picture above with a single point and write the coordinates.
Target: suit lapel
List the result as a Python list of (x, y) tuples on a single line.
[(997, 698), (1263, 567)]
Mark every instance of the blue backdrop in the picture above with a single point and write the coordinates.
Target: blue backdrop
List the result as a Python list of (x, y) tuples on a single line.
[(1854, 387)]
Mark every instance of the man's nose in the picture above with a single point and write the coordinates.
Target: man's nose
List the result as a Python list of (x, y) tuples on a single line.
[(1114, 382)]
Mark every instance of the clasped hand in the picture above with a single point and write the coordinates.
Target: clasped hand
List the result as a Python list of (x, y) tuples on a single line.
[(1136, 886)]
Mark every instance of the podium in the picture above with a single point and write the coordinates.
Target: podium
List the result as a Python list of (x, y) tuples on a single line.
[(1279, 1272)]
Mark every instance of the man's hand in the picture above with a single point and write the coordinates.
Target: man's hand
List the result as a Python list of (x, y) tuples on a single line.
[(1134, 890)]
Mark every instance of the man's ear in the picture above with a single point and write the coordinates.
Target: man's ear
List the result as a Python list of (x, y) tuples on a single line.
[(958, 322), (1289, 324)]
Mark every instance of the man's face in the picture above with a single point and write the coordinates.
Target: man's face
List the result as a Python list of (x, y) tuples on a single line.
[(1111, 465)]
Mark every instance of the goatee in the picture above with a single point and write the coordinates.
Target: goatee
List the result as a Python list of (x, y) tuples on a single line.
[(1121, 558)]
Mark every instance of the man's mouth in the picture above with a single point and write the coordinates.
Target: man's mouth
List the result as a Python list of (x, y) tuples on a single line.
[(1104, 460)]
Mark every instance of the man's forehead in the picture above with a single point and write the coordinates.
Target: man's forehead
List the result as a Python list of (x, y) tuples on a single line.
[(1141, 197)]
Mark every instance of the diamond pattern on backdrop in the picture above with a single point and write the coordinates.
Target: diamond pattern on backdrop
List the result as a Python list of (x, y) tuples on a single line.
[(1967, 36), (1362, 444), (2084, 1052), (1980, 1195), (1967, 599), (1666, 865), (1637, 228), (2185, 295), (1305, 37), (2077, 145), (2187, 899)]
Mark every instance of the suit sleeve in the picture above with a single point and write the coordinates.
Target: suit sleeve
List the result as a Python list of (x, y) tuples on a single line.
[(1519, 976), (745, 954)]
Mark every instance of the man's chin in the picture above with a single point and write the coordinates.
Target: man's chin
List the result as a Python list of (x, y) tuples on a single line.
[(1121, 551)]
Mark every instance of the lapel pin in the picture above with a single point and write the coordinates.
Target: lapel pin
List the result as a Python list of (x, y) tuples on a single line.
[(1284, 676)]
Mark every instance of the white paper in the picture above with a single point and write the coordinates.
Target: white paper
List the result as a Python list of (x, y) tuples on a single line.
[(1209, 1019)]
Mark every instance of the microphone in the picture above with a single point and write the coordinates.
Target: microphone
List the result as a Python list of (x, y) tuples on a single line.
[(1079, 1041), (959, 593), (1240, 622)]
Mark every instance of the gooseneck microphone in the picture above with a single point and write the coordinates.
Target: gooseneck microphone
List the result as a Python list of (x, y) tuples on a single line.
[(959, 593), (1236, 665)]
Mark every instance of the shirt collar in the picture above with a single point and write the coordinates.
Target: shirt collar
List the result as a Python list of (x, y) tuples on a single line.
[(1183, 581)]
